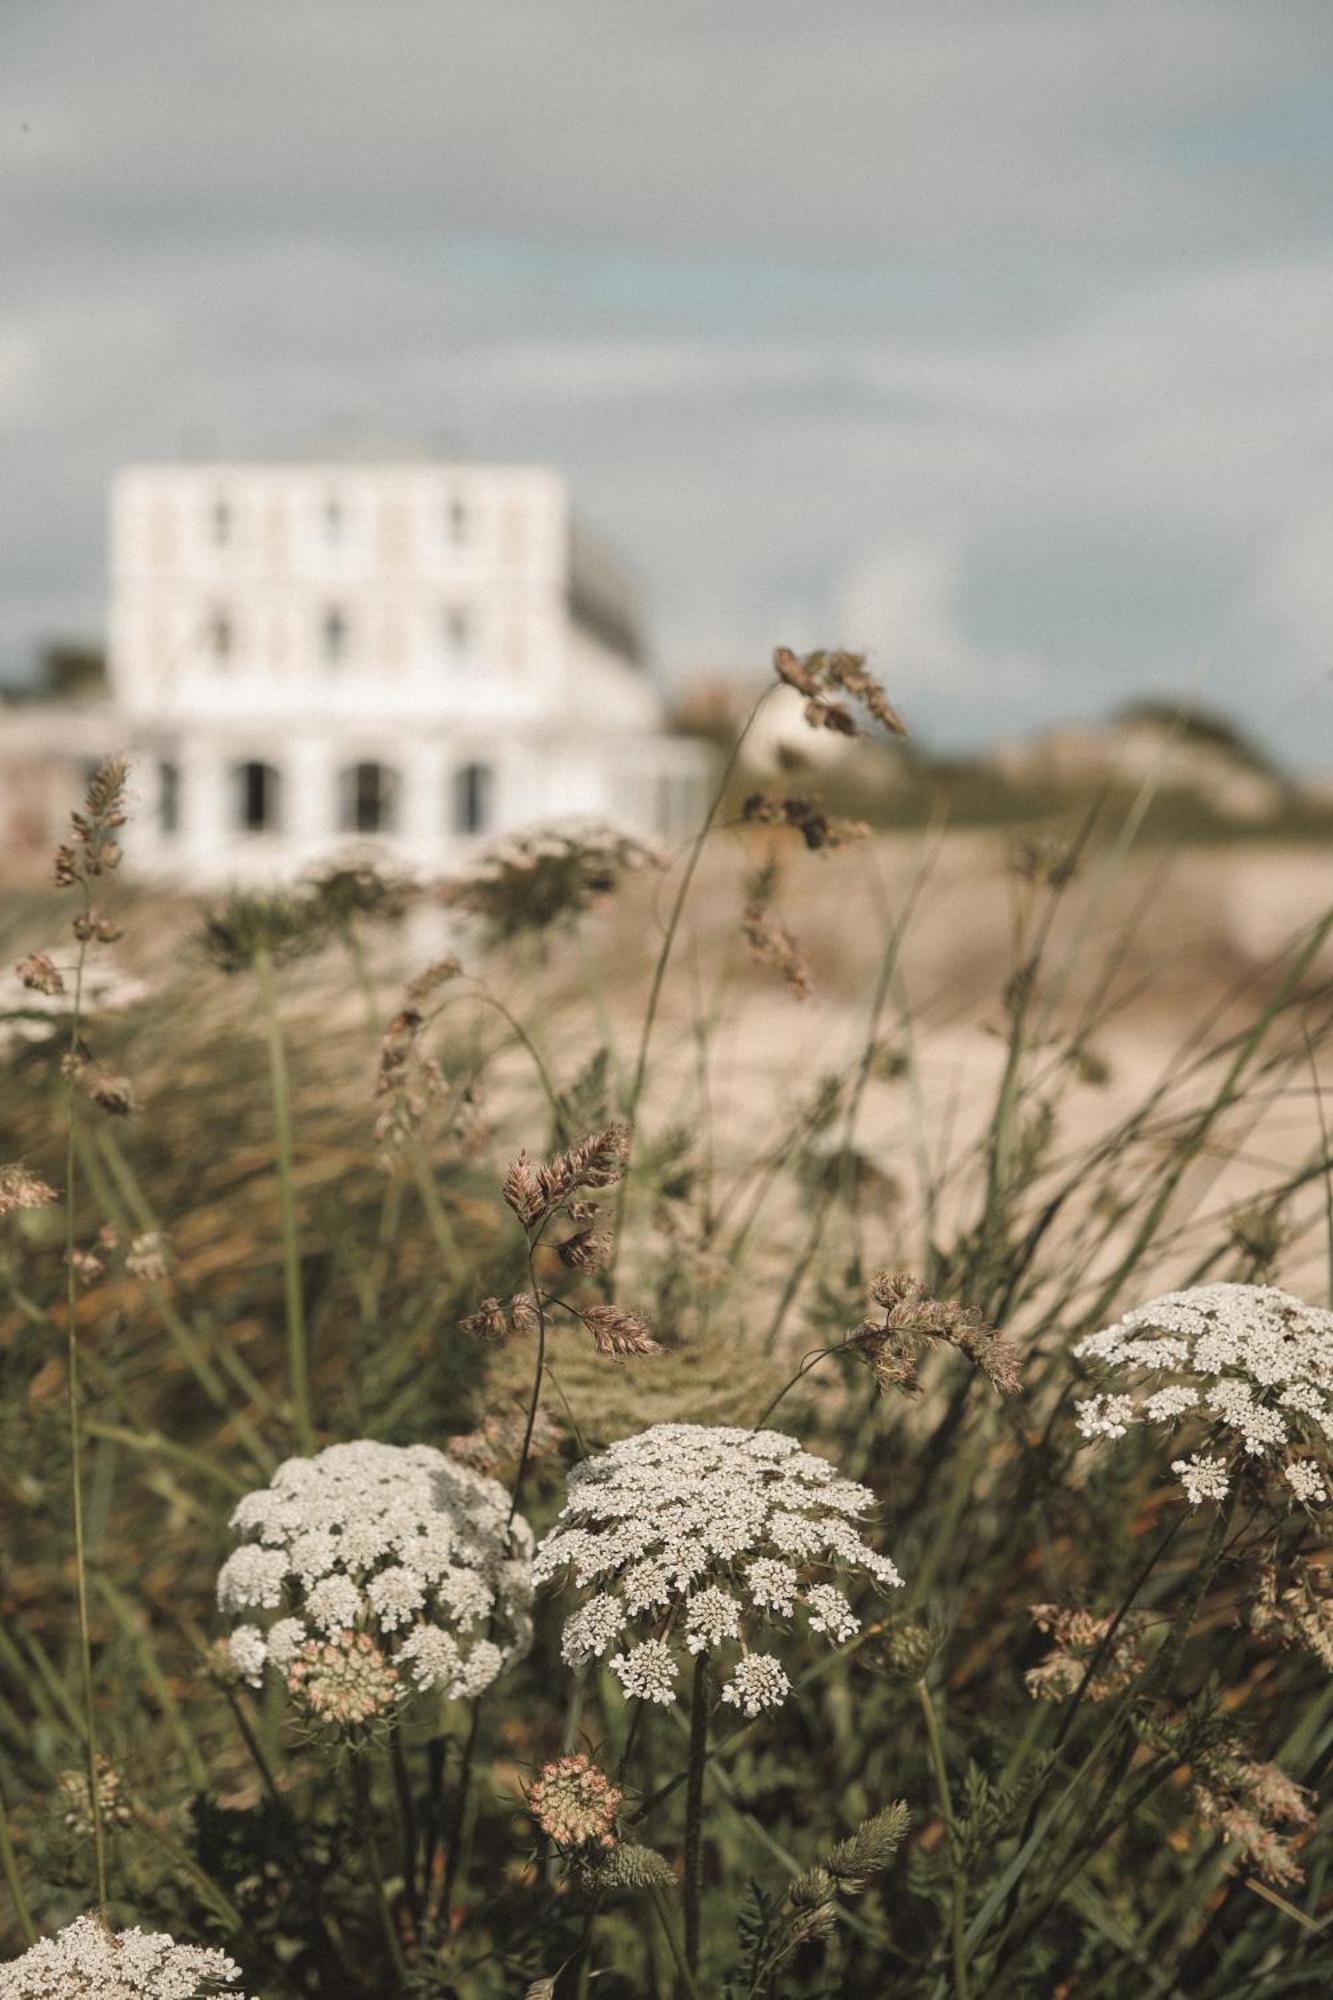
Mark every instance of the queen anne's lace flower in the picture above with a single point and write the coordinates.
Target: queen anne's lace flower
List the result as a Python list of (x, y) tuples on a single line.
[(697, 1537), (1248, 1367), (87, 1962), (393, 1569)]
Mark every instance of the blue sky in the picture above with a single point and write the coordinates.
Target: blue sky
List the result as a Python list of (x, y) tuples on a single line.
[(993, 337)]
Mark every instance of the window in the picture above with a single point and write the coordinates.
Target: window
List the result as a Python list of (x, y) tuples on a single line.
[(333, 636), (333, 518), (456, 521), (257, 795), (220, 637), (472, 798), (168, 798), (368, 798), (458, 628), (220, 522)]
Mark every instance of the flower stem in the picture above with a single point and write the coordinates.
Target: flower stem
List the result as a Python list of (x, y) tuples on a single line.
[(687, 1978), (361, 1779), (76, 1446), (694, 1808), (297, 1363), (958, 1905)]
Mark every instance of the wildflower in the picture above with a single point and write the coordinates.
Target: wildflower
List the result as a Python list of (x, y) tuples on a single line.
[(146, 1257), (545, 877), (574, 1803), (693, 1538), (913, 1320), (536, 1191), (357, 891), (346, 1682), (820, 833), (111, 1799), (771, 942), (1299, 1615), (86, 1265), (1077, 1637), (409, 1084), (1249, 1365), (1247, 1802), (617, 1333), (21, 1189), (818, 675), (114, 1093), (403, 1549), (39, 973), (494, 1447), (86, 1961), (250, 926)]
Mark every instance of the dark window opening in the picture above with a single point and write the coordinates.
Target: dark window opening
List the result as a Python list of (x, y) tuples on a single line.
[(221, 522), (369, 801), (472, 798), (258, 792), (168, 797), (333, 518), (458, 520)]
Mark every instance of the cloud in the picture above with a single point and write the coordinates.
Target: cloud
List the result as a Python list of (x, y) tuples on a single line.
[(1028, 301), (900, 604)]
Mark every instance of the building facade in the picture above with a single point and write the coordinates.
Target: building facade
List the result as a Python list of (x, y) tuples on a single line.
[(418, 657)]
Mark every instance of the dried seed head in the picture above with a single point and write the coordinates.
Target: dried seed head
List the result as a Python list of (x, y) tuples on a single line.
[(488, 1323), (524, 1193), (524, 1318), (589, 1250), (913, 1320), (250, 926), (1077, 1637), (617, 1333), (818, 674), (114, 1093), (78, 1815), (21, 1189), (40, 973)]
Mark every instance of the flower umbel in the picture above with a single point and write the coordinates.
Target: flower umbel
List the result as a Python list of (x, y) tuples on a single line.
[(388, 1569), (86, 1961), (574, 1803), (1247, 1367), (698, 1539)]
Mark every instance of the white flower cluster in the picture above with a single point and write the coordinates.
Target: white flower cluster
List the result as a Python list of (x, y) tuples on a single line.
[(398, 1547), (86, 1962), (693, 1536), (1248, 1364)]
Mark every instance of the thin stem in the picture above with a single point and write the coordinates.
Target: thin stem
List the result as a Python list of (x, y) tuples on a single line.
[(13, 1880), (297, 1362), (958, 1903), (660, 971), (402, 1786), (361, 1780), (683, 1969), (694, 1808), (76, 1440)]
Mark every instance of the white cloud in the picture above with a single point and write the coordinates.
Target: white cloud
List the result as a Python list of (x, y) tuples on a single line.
[(900, 604)]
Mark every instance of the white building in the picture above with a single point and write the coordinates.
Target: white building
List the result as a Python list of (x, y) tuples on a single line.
[(425, 656)]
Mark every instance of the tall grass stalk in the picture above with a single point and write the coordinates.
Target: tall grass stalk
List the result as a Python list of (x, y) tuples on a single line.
[(92, 1762), (298, 1374)]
